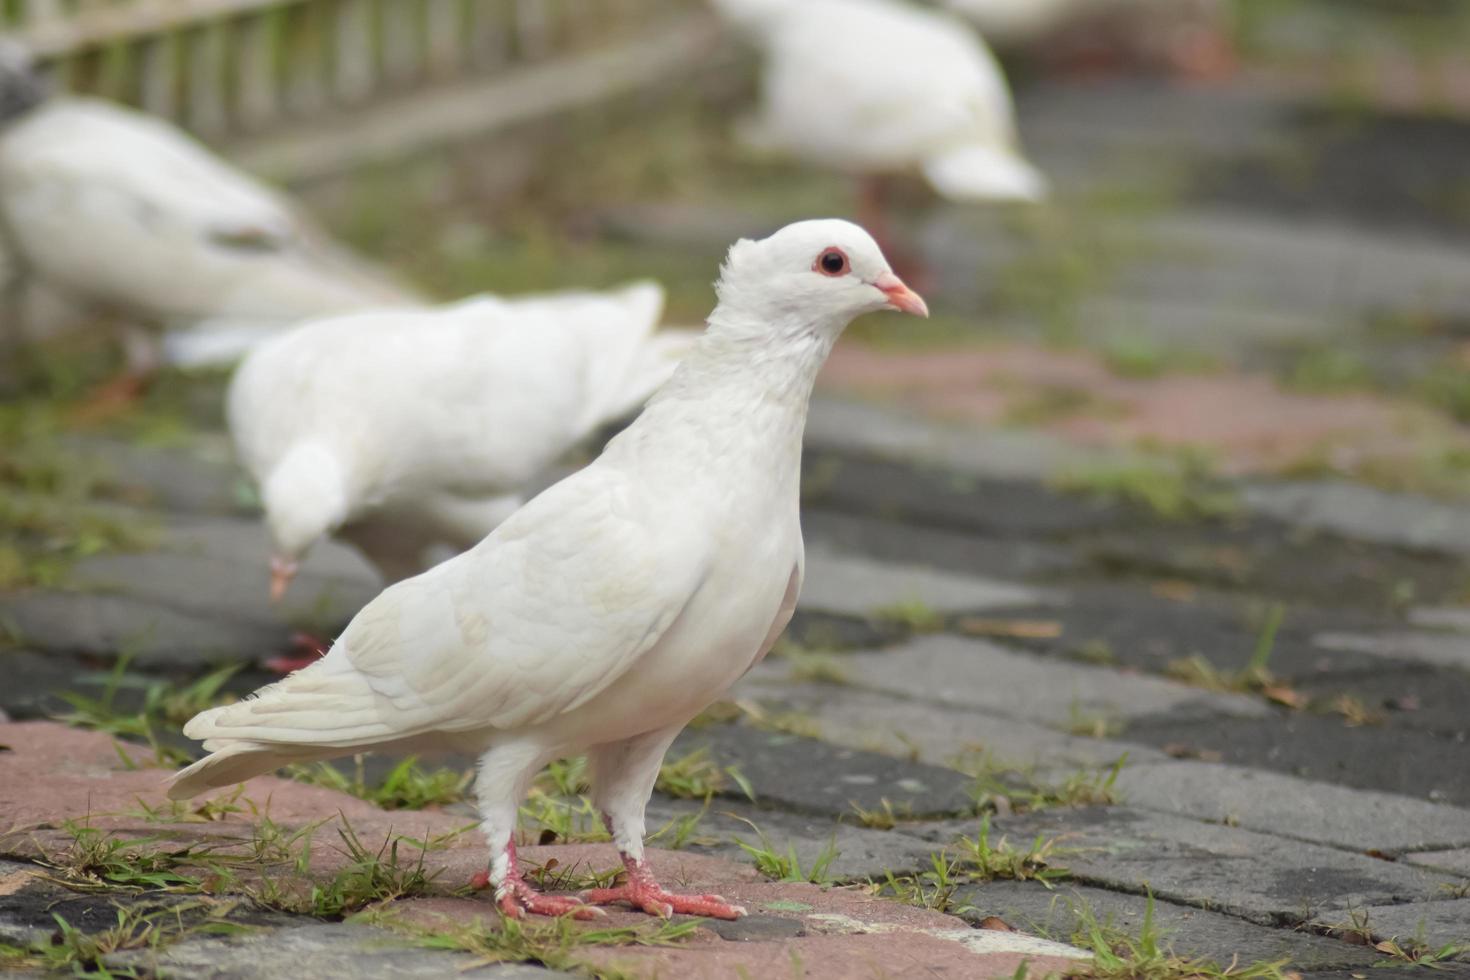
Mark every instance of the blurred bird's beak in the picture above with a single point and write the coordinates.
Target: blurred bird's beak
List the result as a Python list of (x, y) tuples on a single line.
[(283, 570), (901, 297)]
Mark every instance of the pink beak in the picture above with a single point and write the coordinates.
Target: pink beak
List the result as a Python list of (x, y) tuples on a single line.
[(901, 297), (283, 570)]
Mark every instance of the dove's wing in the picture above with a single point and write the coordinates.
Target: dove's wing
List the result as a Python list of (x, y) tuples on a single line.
[(534, 622)]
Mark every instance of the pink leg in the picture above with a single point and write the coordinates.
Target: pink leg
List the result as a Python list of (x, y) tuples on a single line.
[(308, 649), (642, 892), (515, 898)]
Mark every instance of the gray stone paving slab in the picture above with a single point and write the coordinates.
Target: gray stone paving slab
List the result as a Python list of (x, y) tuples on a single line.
[(946, 547), (111, 625), (1365, 513), (321, 950), (851, 585), (1441, 618), (1358, 819), (1440, 649), (1436, 923), (811, 776), (939, 734), (228, 589), (1421, 764), (974, 673), (1190, 932), (1456, 860), (201, 478), (856, 853), (1260, 877), (855, 426)]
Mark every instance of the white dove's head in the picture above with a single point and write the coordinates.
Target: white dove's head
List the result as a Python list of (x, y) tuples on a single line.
[(304, 500), (820, 273)]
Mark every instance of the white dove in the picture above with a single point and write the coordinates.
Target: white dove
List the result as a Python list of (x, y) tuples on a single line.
[(127, 213), (875, 87), (406, 429), (612, 608)]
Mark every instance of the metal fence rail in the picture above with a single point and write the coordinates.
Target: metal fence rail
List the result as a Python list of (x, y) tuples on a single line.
[(227, 69)]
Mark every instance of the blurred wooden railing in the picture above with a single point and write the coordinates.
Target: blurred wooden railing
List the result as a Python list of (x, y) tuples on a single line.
[(241, 71)]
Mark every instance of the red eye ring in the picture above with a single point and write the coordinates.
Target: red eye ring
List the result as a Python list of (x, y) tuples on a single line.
[(832, 262)]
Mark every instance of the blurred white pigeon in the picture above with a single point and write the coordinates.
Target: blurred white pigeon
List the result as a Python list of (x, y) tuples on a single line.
[(607, 612), (406, 429), (876, 87), (127, 213)]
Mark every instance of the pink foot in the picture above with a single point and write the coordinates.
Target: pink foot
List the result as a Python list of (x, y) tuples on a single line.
[(521, 898), (308, 649), (643, 892), (515, 898)]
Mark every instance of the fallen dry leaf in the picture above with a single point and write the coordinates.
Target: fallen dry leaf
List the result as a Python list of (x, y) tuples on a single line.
[(1028, 629)]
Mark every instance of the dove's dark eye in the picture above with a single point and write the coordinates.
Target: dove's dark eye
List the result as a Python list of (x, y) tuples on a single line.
[(832, 262)]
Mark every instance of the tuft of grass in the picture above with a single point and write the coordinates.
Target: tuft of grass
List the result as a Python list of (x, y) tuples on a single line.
[(1143, 358), (981, 860), (102, 861), (996, 786), (681, 831), (551, 944), (1088, 724), (49, 502), (369, 877), (696, 776), (885, 818), (933, 888), (165, 706), (785, 866), (1182, 487), (912, 614), (136, 928), (1254, 678), (811, 665), (971, 860), (1411, 951), (1119, 955), (407, 786), (1329, 369), (1447, 388)]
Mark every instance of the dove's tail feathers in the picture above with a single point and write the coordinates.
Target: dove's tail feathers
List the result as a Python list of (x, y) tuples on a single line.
[(236, 763), (323, 711), (984, 173), (615, 331), (654, 364)]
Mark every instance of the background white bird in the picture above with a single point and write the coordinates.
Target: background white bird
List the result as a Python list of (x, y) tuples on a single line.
[(616, 605), (126, 213), (406, 429), (875, 87)]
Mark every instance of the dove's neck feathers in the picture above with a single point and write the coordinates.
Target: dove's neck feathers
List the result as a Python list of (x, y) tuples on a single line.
[(739, 398)]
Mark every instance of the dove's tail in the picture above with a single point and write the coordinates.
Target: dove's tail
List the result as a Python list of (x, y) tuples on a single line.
[(236, 763), (984, 173), (321, 712), (625, 360)]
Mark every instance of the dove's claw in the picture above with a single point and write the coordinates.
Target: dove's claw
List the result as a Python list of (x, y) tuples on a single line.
[(515, 898), (643, 892), (522, 898)]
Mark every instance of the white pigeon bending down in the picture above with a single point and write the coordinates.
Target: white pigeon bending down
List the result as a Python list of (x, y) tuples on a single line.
[(612, 608), (875, 87), (127, 213), (404, 430)]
